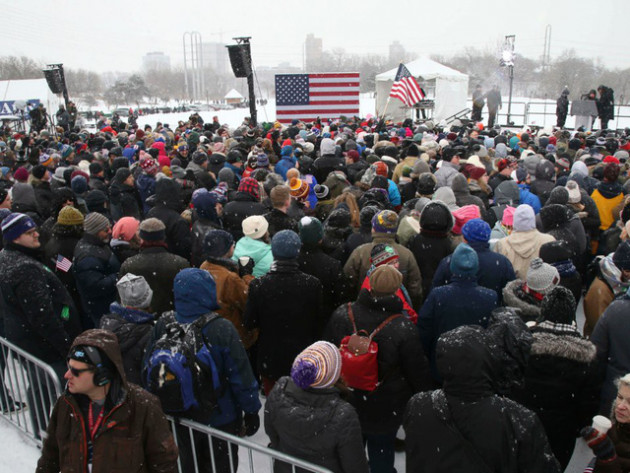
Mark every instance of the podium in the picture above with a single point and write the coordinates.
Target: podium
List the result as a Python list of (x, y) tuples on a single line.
[(585, 112)]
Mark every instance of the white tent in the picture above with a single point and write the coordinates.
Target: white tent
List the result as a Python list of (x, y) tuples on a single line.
[(233, 97), (447, 87), (32, 91)]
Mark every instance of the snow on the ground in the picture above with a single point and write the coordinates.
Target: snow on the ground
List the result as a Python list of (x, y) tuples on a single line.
[(19, 454)]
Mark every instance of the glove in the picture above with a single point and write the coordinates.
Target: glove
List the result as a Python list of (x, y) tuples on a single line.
[(601, 444), (252, 423), (245, 267), (582, 214)]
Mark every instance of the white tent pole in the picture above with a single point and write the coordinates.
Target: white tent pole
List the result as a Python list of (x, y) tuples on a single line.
[(385, 110)]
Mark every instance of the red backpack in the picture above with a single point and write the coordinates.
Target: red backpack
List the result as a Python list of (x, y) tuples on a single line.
[(359, 366)]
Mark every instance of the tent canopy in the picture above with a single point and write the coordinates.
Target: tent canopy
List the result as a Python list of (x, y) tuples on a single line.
[(32, 91), (448, 89), (233, 94)]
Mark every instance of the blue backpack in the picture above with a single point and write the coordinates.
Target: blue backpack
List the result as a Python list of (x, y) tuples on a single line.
[(179, 368)]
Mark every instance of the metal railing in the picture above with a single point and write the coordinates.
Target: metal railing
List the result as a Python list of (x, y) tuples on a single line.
[(28, 390), (207, 449)]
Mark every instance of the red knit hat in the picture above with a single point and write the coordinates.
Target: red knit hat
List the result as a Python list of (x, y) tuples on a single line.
[(463, 215)]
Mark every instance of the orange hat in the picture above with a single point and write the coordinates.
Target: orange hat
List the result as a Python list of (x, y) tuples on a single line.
[(299, 188)]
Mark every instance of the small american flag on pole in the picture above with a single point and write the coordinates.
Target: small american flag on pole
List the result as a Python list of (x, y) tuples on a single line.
[(406, 88), (63, 263), (308, 96)]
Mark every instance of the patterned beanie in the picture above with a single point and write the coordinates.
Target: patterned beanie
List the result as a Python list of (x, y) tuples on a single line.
[(149, 165), (318, 366), (249, 185), (542, 277), (386, 221), (15, 224), (299, 188), (95, 222), (383, 254)]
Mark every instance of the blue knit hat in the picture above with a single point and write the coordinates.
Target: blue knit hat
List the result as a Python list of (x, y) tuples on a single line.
[(15, 224), (285, 244), (476, 230), (464, 261)]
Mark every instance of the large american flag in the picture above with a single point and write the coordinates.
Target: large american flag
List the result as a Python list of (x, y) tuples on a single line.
[(308, 96), (406, 88)]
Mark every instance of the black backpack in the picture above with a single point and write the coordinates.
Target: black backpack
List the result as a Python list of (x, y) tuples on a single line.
[(179, 368)]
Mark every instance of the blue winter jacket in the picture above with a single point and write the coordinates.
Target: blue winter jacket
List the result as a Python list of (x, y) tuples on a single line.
[(462, 302), (195, 295), (495, 270), (527, 197)]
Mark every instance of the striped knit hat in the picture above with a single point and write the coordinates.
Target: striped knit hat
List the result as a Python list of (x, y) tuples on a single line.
[(318, 366), (15, 224)]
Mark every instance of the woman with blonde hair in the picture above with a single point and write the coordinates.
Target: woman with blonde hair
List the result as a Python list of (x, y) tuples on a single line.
[(350, 201)]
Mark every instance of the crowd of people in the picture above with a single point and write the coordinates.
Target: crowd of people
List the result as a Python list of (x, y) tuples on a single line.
[(359, 276)]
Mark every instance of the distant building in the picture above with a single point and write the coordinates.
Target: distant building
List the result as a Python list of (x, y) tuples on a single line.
[(397, 52), (215, 57), (156, 61), (313, 52), (233, 97)]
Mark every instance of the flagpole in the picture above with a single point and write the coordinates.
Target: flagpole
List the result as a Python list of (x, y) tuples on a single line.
[(385, 109)]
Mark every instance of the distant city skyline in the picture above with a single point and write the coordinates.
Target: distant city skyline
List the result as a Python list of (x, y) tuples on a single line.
[(116, 36)]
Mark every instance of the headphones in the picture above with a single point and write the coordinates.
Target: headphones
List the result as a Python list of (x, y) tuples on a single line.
[(102, 374)]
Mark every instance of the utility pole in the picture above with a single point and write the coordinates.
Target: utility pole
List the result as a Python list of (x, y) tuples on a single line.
[(507, 60)]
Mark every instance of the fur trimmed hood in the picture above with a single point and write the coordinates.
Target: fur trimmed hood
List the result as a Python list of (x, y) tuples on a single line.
[(564, 346), (511, 298)]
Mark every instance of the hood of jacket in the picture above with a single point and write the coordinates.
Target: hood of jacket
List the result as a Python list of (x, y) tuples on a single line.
[(554, 216), (460, 185), (570, 347), (545, 170), (195, 294), (524, 244), (168, 193), (512, 297), (107, 342), (507, 193), (464, 361)]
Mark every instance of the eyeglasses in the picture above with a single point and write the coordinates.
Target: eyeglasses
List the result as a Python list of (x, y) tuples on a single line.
[(76, 372)]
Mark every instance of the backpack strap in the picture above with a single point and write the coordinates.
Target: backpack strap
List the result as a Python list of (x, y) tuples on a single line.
[(383, 324), (351, 317)]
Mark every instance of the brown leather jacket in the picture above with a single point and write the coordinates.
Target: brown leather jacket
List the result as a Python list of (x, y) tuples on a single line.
[(134, 434)]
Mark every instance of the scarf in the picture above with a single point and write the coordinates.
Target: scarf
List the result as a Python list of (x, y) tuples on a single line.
[(612, 275), (565, 268)]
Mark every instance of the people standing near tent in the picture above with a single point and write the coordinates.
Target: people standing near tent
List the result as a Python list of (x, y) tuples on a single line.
[(562, 108), (478, 101), (494, 104), (605, 105)]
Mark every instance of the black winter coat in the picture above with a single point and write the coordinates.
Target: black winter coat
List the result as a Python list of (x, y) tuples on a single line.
[(543, 184), (159, 267), (507, 436), (125, 201), (133, 329), (286, 306), (63, 242), (315, 425), (95, 269), (200, 229), (327, 164), (403, 369), (335, 285), (34, 301), (278, 220), (244, 205), (44, 196), (429, 250), (168, 207), (562, 386)]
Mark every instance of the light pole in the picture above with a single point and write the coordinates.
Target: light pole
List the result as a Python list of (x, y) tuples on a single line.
[(507, 60)]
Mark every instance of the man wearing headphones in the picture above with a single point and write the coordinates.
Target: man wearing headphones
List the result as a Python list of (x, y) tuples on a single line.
[(102, 423)]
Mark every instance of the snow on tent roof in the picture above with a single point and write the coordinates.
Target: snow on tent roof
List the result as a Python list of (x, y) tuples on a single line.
[(233, 94), (425, 68)]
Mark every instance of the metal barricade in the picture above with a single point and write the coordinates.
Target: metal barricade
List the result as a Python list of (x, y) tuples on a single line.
[(218, 452), (28, 390)]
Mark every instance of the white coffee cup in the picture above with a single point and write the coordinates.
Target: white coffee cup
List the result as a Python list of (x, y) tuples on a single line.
[(244, 260), (601, 424)]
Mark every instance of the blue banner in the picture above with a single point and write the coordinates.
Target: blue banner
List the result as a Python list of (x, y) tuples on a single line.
[(7, 107)]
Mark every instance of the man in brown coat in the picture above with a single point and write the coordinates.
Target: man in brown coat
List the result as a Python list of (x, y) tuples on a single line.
[(232, 289), (102, 423)]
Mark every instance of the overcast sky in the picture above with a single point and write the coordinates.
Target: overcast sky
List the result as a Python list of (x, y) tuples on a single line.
[(114, 35)]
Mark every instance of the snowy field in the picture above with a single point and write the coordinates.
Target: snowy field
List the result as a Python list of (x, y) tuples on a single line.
[(537, 109)]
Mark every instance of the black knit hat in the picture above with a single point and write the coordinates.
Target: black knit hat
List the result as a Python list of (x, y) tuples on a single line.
[(621, 257), (426, 184), (436, 217), (558, 306), (554, 251)]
